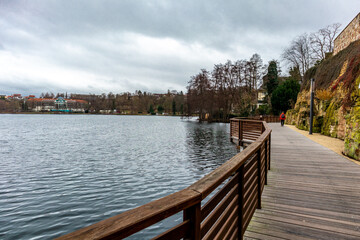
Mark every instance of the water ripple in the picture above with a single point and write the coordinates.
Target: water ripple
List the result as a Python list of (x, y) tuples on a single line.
[(60, 173)]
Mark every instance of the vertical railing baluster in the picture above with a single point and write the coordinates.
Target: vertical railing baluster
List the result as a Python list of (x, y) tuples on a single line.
[(194, 215), (269, 150), (259, 177), (266, 160), (241, 192)]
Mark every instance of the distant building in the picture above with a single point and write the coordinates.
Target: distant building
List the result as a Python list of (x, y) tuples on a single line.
[(158, 95), (350, 34), (261, 94), (28, 97), (59, 104), (15, 96)]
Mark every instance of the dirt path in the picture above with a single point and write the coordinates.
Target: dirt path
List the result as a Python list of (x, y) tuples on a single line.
[(333, 144)]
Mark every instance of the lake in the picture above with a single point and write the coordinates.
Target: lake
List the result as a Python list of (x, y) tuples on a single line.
[(59, 173)]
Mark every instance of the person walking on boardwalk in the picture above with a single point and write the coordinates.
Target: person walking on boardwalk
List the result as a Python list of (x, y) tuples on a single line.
[(282, 118)]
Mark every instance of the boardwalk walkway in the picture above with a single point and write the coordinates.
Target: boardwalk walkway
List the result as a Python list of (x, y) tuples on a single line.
[(312, 192)]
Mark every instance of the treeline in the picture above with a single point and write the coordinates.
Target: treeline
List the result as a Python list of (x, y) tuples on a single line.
[(229, 88), (232, 88), (171, 103), (11, 106)]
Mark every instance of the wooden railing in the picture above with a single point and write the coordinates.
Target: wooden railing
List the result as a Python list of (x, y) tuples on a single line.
[(266, 118), (236, 187)]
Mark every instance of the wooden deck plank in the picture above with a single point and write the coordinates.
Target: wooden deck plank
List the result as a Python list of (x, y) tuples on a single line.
[(312, 192), (260, 236), (293, 231)]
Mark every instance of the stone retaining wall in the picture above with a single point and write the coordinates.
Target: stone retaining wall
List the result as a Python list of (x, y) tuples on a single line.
[(350, 34)]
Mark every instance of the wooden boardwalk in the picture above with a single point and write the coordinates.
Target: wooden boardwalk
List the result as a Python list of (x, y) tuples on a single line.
[(312, 192)]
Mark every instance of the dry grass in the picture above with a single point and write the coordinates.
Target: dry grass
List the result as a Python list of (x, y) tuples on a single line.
[(324, 94)]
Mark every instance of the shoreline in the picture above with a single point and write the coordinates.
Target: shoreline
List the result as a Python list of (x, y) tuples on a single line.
[(74, 113), (115, 114)]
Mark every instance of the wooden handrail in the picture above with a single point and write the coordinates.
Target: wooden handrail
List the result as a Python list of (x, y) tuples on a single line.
[(266, 118), (227, 213)]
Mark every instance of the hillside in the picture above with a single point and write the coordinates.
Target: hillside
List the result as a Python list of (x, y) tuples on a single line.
[(337, 99)]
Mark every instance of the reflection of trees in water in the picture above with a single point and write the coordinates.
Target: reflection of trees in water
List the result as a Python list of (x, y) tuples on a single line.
[(208, 146)]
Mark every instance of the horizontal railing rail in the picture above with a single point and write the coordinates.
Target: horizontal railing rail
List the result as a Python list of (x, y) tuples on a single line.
[(236, 188), (266, 118)]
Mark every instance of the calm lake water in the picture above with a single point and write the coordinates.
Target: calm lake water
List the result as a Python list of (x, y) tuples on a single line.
[(59, 173)]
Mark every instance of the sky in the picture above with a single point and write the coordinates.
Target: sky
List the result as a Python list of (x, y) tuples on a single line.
[(102, 46)]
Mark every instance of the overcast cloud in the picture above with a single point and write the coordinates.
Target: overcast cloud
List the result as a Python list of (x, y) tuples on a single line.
[(89, 46)]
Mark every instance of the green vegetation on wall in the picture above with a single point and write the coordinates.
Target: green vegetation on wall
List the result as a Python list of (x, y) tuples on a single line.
[(352, 139), (330, 121)]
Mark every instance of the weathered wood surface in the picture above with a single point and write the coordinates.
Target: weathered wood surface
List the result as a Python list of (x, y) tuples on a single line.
[(312, 192)]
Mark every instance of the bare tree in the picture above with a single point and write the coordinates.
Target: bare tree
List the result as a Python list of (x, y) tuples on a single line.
[(240, 72), (199, 93), (322, 41), (318, 44), (331, 32), (299, 53), (231, 86), (256, 64)]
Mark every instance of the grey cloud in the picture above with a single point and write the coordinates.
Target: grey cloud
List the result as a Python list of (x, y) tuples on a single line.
[(212, 22), (87, 35), (26, 86)]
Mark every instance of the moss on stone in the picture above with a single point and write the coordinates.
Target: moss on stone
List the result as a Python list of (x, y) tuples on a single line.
[(329, 120), (317, 124)]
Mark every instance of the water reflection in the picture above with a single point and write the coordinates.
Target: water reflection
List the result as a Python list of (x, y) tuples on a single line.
[(208, 146)]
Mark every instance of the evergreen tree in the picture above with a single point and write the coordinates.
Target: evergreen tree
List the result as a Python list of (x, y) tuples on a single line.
[(295, 73), (174, 107), (272, 77), (182, 109), (160, 109), (284, 96), (151, 110)]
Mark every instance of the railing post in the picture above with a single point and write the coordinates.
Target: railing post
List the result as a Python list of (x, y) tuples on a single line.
[(259, 177), (241, 202), (194, 215)]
